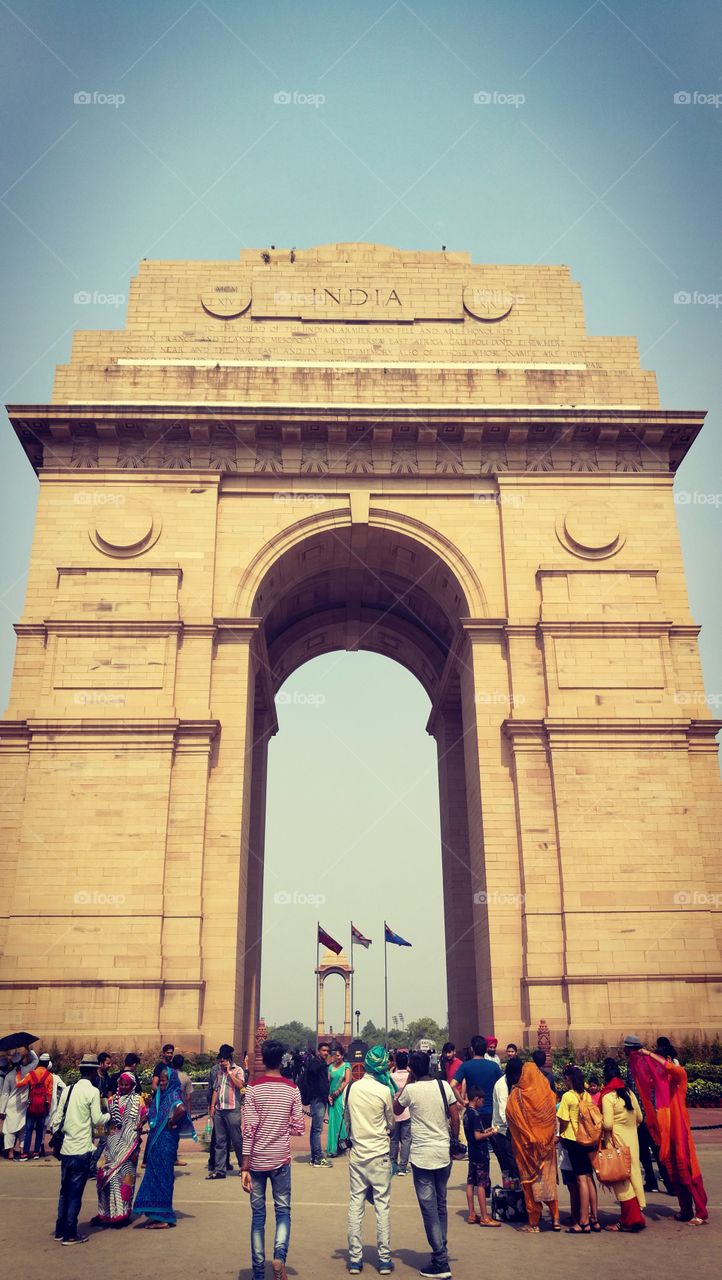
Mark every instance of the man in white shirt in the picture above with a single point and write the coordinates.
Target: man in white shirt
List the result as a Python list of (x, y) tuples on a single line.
[(501, 1142), (434, 1114), (370, 1119), (80, 1112)]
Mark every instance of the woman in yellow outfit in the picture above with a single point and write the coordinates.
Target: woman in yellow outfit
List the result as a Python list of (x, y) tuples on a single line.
[(579, 1156), (621, 1116)]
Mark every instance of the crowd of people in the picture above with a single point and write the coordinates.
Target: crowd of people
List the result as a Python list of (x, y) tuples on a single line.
[(394, 1116)]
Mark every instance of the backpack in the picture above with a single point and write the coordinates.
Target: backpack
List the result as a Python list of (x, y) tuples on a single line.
[(304, 1087), (37, 1097), (589, 1125)]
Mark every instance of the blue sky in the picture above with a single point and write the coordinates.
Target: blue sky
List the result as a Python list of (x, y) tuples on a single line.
[(597, 167)]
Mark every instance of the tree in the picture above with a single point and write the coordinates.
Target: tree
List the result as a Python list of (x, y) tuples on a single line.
[(293, 1034), (425, 1029), (371, 1033)]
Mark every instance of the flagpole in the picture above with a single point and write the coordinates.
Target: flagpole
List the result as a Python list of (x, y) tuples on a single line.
[(386, 991), (318, 926), (352, 978)]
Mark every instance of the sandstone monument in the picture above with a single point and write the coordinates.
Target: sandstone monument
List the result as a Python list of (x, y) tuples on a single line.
[(357, 447)]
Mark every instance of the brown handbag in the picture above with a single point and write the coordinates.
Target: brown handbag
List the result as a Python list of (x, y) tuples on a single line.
[(612, 1163)]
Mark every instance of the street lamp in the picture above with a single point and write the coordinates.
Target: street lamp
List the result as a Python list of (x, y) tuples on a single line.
[(357, 1013)]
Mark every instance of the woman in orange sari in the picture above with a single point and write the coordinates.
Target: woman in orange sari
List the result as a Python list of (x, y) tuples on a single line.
[(662, 1084), (531, 1120)]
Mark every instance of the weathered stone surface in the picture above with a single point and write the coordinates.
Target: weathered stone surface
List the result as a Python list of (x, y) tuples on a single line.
[(360, 448)]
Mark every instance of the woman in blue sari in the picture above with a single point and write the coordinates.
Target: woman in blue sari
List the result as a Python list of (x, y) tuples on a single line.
[(169, 1121)]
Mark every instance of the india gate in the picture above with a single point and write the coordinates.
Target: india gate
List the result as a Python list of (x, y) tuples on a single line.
[(342, 448)]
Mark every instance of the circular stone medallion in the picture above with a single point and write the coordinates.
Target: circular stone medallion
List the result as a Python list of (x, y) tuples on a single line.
[(226, 301), (123, 527), (487, 304), (591, 531)]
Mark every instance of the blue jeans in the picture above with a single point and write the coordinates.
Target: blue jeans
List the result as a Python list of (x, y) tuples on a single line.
[(318, 1112), (281, 1188), (430, 1188), (74, 1172), (34, 1125)]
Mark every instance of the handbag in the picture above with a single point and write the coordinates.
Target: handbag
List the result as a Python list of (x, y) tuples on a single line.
[(58, 1137), (457, 1149), (612, 1163)]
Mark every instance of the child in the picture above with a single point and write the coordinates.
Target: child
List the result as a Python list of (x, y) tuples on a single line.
[(478, 1176), (595, 1090)]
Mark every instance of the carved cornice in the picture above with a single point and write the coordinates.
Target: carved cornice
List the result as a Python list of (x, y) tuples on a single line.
[(316, 439), (559, 734), (117, 734)]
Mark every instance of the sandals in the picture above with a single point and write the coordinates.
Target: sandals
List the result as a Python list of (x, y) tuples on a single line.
[(472, 1219), (595, 1225), (581, 1229)]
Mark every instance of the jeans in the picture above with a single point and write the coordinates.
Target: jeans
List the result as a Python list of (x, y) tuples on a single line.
[(318, 1112), (430, 1188), (227, 1131), (74, 1172), (281, 1188), (401, 1144), (34, 1125), (363, 1174)]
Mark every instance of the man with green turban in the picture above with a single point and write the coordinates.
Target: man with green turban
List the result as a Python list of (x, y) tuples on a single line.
[(370, 1119)]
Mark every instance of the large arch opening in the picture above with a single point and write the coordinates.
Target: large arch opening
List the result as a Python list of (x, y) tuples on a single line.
[(372, 586)]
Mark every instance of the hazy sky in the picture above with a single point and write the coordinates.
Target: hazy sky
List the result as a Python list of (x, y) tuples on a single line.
[(598, 167)]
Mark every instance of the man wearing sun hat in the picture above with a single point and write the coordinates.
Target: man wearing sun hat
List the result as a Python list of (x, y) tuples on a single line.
[(370, 1118), (80, 1112)]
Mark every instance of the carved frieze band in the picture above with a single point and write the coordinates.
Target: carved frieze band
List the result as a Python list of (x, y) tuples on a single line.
[(405, 451)]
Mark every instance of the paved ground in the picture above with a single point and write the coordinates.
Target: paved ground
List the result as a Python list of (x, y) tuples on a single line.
[(212, 1236)]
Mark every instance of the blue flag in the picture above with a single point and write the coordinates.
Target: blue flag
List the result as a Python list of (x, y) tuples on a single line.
[(390, 936)]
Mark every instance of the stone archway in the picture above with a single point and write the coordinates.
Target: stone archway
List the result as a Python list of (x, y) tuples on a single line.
[(342, 583), (225, 492)]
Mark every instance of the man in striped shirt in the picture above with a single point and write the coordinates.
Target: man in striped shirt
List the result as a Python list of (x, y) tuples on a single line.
[(272, 1113)]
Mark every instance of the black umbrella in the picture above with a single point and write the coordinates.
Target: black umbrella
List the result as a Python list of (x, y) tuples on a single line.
[(17, 1040)]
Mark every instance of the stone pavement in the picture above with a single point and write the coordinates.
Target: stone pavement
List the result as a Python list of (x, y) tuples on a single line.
[(212, 1236)]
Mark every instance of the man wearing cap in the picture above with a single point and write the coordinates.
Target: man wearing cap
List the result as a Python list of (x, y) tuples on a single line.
[(39, 1083), (647, 1146), (225, 1111), (370, 1120), (80, 1112)]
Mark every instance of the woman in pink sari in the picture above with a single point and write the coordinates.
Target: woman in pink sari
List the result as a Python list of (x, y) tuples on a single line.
[(662, 1085), (118, 1164)]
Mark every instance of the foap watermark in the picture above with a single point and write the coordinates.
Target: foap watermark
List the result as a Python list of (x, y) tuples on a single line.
[(496, 898), (696, 898), (296, 898), (96, 98), (299, 699), (504, 498), (296, 495), (98, 498), (94, 298), (95, 898), (687, 298), (295, 98), (693, 498), (294, 298), (496, 298), (498, 698), (683, 699), (98, 698), (495, 98), (695, 98)]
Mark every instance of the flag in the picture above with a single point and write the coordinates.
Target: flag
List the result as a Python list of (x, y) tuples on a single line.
[(328, 941), (390, 936), (358, 937)]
